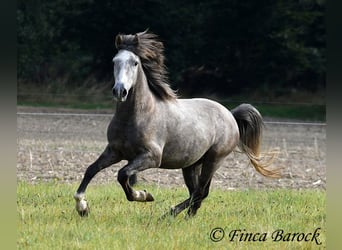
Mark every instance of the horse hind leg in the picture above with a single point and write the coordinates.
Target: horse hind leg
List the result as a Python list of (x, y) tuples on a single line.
[(190, 175), (210, 165)]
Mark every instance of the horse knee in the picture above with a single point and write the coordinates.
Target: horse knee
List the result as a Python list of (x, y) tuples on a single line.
[(132, 180), (122, 176)]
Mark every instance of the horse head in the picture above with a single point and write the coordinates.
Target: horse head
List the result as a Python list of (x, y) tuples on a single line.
[(125, 70)]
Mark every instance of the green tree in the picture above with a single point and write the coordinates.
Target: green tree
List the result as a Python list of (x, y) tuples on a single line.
[(222, 46)]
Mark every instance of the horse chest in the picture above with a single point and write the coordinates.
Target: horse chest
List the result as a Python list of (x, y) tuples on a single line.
[(128, 141)]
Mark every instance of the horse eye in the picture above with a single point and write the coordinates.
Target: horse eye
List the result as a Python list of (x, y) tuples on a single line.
[(135, 63)]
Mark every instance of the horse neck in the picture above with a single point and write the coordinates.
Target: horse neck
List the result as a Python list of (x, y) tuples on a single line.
[(140, 100)]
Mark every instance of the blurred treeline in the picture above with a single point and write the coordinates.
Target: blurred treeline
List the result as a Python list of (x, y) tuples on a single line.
[(216, 46)]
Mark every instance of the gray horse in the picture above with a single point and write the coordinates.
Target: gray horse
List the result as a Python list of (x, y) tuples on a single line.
[(152, 128)]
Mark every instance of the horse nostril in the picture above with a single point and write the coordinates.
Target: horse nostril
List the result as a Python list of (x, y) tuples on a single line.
[(119, 92)]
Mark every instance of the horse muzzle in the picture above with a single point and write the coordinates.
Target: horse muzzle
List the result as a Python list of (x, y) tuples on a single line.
[(120, 92)]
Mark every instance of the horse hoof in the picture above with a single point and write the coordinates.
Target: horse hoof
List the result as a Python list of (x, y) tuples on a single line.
[(82, 207), (191, 213), (149, 197), (141, 196), (84, 213)]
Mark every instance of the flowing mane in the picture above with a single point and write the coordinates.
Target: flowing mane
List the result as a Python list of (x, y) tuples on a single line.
[(151, 52)]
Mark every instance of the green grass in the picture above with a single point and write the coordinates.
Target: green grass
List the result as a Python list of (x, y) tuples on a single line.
[(70, 104), (299, 112), (292, 111), (48, 220)]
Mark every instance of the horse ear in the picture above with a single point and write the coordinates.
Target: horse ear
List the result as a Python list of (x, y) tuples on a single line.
[(118, 41), (136, 39), (143, 32)]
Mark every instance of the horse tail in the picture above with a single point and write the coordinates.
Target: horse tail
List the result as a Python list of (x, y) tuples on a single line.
[(250, 125)]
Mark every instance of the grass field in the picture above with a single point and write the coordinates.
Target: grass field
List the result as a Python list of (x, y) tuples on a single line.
[(48, 220)]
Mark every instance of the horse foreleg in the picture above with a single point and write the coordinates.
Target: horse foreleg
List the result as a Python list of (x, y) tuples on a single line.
[(139, 164), (107, 158)]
